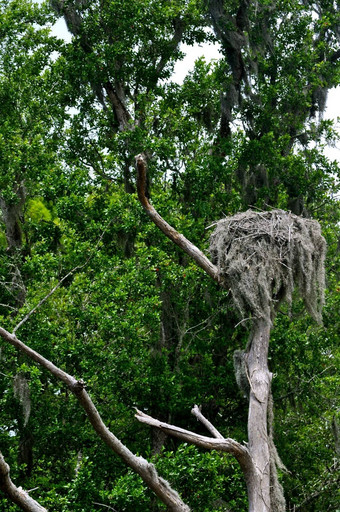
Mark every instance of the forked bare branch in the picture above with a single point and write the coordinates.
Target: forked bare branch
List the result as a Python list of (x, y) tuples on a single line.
[(196, 411), (222, 444)]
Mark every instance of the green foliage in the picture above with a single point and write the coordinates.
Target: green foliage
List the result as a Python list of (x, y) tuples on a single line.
[(187, 470)]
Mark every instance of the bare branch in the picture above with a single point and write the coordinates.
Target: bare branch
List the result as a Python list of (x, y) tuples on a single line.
[(16, 494), (34, 489), (103, 505), (141, 466), (38, 358), (209, 443), (9, 307), (180, 240), (33, 310), (209, 426)]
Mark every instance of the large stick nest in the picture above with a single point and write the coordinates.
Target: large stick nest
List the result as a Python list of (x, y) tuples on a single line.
[(262, 256)]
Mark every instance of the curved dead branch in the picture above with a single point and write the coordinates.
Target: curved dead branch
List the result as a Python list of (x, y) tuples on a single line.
[(180, 240), (14, 493)]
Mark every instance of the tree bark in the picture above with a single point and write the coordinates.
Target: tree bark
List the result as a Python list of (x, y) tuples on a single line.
[(258, 481)]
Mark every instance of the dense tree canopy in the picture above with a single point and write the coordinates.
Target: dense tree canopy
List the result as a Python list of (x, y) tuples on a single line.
[(131, 314)]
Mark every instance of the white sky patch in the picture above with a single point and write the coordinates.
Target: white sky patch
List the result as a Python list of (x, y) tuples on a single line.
[(212, 51), (59, 29), (333, 112), (207, 50)]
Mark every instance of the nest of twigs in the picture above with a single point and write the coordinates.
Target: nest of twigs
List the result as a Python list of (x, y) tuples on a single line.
[(263, 256)]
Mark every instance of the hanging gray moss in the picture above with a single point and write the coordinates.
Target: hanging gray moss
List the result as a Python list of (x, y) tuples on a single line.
[(22, 393), (262, 256), (240, 370)]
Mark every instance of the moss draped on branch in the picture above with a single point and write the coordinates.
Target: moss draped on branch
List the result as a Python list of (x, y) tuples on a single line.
[(261, 256)]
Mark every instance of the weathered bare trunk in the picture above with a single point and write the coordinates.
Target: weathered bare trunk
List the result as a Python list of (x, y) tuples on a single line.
[(258, 481)]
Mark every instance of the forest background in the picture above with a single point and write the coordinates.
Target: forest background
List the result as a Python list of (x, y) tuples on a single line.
[(131, 315)]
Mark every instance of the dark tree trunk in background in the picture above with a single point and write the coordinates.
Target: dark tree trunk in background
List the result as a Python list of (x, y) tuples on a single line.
[(12, 215)]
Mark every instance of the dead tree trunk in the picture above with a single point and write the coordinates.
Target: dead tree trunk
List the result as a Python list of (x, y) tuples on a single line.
[(259, 376), (261, 257)]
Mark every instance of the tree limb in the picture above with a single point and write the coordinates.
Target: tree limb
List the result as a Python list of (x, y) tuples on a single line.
[(118, 104), (209, 426), (103, 505), (173, 44), (168, 230), (16, 494), (228, 445), (142, 467)]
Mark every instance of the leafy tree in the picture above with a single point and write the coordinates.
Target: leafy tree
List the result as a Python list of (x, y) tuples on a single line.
[(246, 130)]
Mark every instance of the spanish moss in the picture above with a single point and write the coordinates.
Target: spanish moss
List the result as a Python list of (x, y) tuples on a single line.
[(262, 256)]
